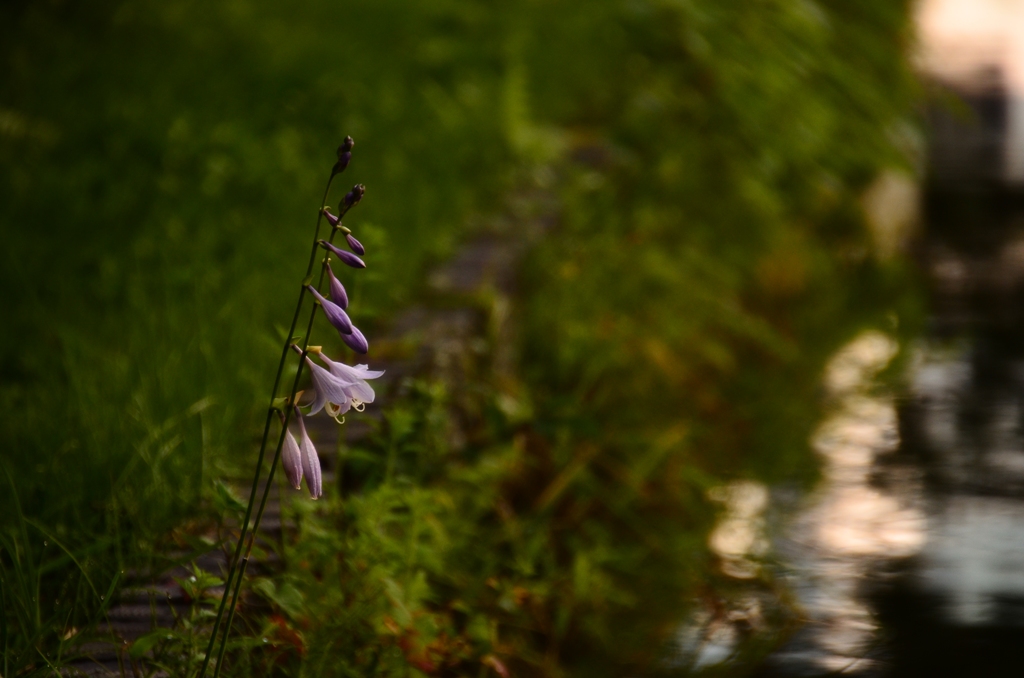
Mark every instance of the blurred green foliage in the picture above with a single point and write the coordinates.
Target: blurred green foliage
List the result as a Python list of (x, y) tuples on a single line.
[(161, 165)]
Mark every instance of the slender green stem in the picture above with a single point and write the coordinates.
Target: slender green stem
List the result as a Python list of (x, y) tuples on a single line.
[(273, 468), (238, 567), (3, 621), (266, 433), (263, 505)]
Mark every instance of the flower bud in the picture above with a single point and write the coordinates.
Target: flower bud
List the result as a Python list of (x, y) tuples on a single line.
[(335, 314), (344, 156), (342, 163), (291, 460), (310, 461), (356, 341), (331, 219), (355, 195), (338, 294), (345, 257), (354, 244)]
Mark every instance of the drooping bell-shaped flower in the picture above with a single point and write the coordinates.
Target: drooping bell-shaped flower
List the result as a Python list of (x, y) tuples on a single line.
[(338, 294), (330, 391), (355, 377), (343, 255), (335, 314), (356, 341), (310, 460), (291, 460), (354, 244)]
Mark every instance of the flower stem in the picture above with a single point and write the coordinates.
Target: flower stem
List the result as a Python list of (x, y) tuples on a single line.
[(237, 570), (263, 503), (233, 569)]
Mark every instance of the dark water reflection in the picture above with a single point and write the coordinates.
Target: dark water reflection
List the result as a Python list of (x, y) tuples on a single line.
[(908, 560)]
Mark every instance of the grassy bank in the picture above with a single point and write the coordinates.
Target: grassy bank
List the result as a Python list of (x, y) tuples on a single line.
[(161, 167)]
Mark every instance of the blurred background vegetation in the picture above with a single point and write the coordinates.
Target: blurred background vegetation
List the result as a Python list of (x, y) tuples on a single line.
[(161, 164)]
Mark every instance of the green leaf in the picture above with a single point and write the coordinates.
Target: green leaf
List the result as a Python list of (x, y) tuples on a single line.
[(145, 643), (226, 499), (286, 596)]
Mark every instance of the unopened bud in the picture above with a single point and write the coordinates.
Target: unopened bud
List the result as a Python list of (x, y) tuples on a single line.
[(291, 460), (338, 294), (331, 219), (356, 341), (354, 244), (342, 163), (344, 156), (345, 257), (335, 314), (355, 195)]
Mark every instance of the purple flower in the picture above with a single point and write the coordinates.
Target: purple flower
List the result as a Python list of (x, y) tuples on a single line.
[(335, 313), (355, 377), (346, 257), (291, 460), (355, 195), (343, 160), (356, 341), (310, 460), (338, 294), (354, 244), (331, 219), (330, 391), (344, 155)]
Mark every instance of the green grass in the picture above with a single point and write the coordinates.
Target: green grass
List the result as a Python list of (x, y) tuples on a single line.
[(161, 166)]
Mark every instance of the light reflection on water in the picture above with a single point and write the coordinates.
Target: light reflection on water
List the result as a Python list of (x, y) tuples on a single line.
[(848, 525), (909, 554), (934, 522), (837, 535), (970, 427), (975, 560)]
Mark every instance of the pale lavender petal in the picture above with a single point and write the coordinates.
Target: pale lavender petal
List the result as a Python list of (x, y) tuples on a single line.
[(329, 388), (354, 372), (344, 255), (291, 460), (356, 341), (310, 461), (339, 370), (354, 244), (365, 372), (355, 385), (319, 400), (360, 391), (335, 314), (338, 294)]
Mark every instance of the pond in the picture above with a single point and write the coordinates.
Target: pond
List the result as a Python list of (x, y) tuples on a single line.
[(908, 557)]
